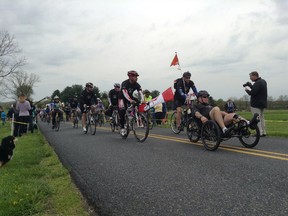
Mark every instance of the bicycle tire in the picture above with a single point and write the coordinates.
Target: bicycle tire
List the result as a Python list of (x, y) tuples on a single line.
[(173, 123), (193, 130), (93, 125), (210, 135), (57, 121), (249, 137), (126, 127), (88, 122), (140, 127)]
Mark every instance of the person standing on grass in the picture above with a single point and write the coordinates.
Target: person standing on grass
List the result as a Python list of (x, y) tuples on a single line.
[(23, 107), (258, 98)]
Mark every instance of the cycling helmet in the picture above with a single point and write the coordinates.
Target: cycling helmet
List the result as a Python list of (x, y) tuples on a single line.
[(202, 93), (146, 91), (117, 85), (89, 84), (56, 97), (132, 73), (187, 74)]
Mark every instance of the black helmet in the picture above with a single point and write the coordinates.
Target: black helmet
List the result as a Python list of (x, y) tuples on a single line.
[(89, 84), (117, 85), (187, 74), (202, 93), (132, 73)]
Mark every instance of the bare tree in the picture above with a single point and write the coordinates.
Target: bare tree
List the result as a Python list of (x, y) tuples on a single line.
[(20, 83), (10, 62)]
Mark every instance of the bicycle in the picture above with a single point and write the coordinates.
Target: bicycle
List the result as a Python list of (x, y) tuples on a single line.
[(100, 118), (137, 122), (75, 117), (211, 135), (91, 123), (57, 121), (115, 121), (186, 114)]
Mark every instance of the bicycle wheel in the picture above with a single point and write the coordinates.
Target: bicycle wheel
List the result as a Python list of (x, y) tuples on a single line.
[(247, 136), (173, 123), (126, 126), (210, 135), (88, 123), (93, 124), (140, 127), (57, 122), (193, 130)]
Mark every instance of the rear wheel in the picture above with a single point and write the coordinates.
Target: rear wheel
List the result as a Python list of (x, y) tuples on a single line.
[(140, 127), (193, 130), (210, 135), (173, 123)]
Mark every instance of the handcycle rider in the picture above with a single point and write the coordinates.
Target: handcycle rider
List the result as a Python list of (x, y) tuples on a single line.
[(203, 111), (182, 87), (126, 96), (87, 98)]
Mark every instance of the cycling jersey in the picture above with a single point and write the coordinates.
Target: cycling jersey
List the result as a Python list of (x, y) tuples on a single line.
[(130, 89), (73, 104), (88, 98), (113, 96)]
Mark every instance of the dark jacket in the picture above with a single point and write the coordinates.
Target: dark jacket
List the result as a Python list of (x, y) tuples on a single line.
[(258, 94)]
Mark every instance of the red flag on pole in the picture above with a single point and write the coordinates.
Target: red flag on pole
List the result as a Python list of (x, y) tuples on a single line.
[(175, 60)]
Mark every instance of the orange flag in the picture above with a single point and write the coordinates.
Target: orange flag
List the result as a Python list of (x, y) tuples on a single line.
[(175, 61)]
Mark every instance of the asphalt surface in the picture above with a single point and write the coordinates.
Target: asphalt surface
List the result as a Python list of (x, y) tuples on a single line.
[(168, 175)]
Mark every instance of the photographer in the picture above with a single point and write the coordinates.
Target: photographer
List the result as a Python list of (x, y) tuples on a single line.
[(258, 98)]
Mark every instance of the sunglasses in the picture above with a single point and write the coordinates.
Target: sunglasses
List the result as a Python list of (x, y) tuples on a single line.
[(205, 97)]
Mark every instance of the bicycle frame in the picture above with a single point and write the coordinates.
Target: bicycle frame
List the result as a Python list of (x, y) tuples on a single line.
[(137, 122)]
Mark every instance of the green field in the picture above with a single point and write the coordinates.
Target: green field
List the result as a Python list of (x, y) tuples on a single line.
[(276, 121)]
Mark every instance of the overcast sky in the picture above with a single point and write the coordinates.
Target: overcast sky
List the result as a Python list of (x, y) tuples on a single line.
[(220, 42)]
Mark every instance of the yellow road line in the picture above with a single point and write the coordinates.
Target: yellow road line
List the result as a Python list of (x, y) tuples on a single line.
[(242, 150)]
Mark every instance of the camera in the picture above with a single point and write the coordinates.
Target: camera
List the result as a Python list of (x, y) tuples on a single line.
[(247, 84)]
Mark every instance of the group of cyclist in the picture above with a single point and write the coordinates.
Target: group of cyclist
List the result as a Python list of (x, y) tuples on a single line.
[(121, 96), (203, 111)]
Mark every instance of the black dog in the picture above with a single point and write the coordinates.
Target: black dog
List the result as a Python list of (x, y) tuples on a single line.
[(6, 149)]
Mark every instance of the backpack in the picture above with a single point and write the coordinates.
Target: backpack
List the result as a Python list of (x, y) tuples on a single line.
[(176, 81)]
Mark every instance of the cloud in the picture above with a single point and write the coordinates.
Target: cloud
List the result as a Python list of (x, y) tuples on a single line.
[(71, 42)]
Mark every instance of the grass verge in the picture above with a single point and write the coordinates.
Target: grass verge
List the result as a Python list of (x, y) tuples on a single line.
[(34, 182)]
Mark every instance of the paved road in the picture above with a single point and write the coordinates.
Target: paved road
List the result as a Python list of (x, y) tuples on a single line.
[(167, 175)]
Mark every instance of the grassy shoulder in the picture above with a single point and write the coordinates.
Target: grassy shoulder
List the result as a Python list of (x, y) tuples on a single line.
[(34, 182)]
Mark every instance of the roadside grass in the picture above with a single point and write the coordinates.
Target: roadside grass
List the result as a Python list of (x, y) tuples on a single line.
[(34, 182)]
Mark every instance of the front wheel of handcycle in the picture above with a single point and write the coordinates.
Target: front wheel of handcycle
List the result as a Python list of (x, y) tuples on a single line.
[(193, 130), (173, 123), (249, 137), (210, 135), (140, 127)]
